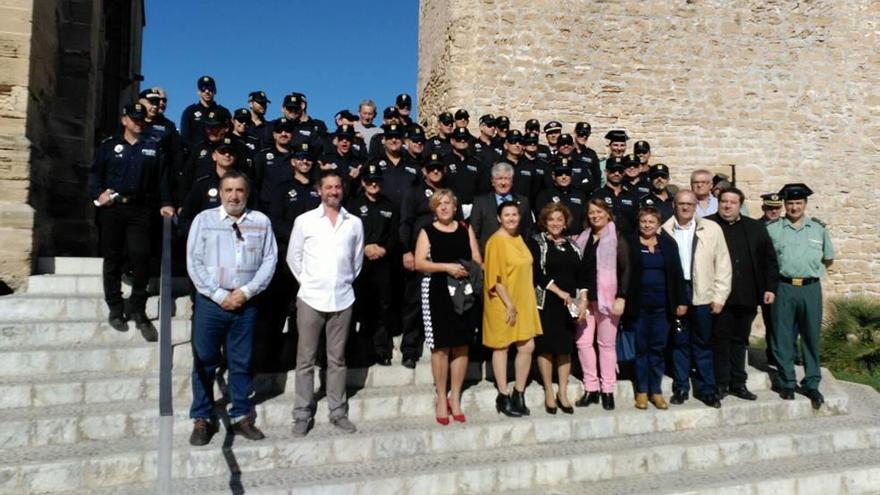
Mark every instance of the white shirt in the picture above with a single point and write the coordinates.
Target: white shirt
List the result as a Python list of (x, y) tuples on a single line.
[(326, 258), (710, 209), (218, 261), (684, 237)]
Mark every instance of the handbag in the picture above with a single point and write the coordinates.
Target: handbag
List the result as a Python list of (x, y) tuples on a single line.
[(626, 345)]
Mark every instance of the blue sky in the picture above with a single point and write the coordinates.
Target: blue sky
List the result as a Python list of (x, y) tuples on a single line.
[(337, 53)]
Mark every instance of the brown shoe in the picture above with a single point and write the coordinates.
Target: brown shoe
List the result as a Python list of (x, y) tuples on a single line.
[(203, 431), (247, 429), (659, 402), (641, 401)]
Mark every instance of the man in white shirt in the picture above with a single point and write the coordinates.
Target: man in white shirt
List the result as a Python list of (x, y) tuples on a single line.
[(701, 183), (325, 255)]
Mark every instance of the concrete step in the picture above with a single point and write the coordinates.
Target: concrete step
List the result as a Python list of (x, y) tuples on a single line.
[(488, 454), (69, 285), (71, 423), (47, 307), (70, 265), (62, 334)]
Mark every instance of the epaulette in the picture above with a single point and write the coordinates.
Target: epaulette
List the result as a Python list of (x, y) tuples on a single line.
[(203, 177), (820, 222), (267, 148), (108, 139)]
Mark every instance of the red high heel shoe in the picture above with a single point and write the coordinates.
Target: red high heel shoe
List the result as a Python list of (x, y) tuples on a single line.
[(457, 417), (443, 421)]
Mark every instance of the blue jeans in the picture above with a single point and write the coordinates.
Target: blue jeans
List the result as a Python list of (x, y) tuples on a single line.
[(652, 333), (211, 326), (690, 350)]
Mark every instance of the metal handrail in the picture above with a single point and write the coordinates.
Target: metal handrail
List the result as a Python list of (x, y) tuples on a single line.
[(166, 418)]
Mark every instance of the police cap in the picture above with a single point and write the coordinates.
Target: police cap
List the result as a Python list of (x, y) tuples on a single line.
[(283, 124), (345, 131), (565, 139), (562, 166), (434, 161), (795, 191), (461, 113), (403, 101), (533, 125), (391, 113), (134, 111), (641, 147), (227, 144), (206, 82), (150, 95), (393, 130), (445, 118), (583, 129), (293, 101), (415, 133), (373, 173), (631, 161), (502, 122), (259, 97), (242, 115), (552, 126), (530, 138), (302, 151), (616, 136), (658, 170), (771, 200), (488, 120), (514, 137), (615, 163), (461, 134), (346, 115), (219, 116)]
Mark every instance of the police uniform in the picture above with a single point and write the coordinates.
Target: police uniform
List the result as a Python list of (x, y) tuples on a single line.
[(271, 163), (571, 197), (332, 159), (136, 174), (372, 287), (625, 205), (192, 121), (398, 177), (199, 161), (388, 114), (250, 141), (581, 173), (261, 129), (613, 136), (437, 143), (464, 173), (801, 251), (543, 169), (652, 199), (546, 151)]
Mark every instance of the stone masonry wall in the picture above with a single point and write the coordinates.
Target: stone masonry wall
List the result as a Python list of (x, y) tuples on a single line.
[(785, 90)]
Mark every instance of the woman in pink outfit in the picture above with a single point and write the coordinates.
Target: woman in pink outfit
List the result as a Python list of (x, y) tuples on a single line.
[(605, 274)]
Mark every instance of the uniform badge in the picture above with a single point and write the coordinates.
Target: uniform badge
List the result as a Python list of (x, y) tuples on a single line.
[(436, 142), (609, 201), (626, 201), (472, 168), (203, 153), (148, 152), (384, 213), (576, 201), (212, 192), (292, 193), (251, 146), (270, 156), (649, 202), (198, 115), (555, 199), (452, 167), (305, 132), (410, 170), (383, 164), (364, 210), (526, 172), (118, 148), (429, 193), (330, 165), (576, 170)]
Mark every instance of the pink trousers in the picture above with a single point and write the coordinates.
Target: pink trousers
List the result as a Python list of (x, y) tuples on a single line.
[(601, 328)]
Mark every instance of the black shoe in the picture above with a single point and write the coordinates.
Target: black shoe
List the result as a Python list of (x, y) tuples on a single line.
[(785, 393), (519, 402), (247, 429), (566, 410), (504, 405), (117, 322), (608, 401), (816, 398), (409, 363), (743, 393), (145, 326), (550, 410), (710, 400), (203, 431), (678, 397), (384, 361), (723, 391), (587, 399)]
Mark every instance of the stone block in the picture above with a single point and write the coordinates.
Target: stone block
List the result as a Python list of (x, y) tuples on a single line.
[(111, 471), (15, 433), (295, 454), (594, 467), (593, 427), (483, 480), (50, 394), (52, 477), (552, 431), (516, 476), (55, 431), (15, 396), (106, 426), (352, 448), (113, 390), (436, 482)]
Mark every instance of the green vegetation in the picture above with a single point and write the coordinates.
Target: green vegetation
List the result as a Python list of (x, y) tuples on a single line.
[(851, 340)]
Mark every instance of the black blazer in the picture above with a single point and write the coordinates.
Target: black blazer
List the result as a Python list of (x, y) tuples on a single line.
[(484, 217), (765, 266), (675, 288)]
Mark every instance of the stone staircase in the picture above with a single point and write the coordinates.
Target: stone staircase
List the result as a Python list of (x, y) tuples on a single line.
[(81, 406)]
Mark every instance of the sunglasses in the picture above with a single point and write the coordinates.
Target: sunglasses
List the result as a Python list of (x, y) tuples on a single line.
[(207, 90), (615, 170), (435, 168), (237, 232), (515, 140), (562, 173)]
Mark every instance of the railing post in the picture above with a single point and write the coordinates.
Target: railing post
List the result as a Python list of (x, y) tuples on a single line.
[(166, 409)]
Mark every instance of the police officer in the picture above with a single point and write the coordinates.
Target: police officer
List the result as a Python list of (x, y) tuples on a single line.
[(552, 131), (525, 181), (462, 118), (205, 190), (317, 127), (199, 161), (373, 285), (270, 163), (390, 115), (258, 103), (158, 126), (585, 155), (623, 202), (293, 194), (543, 169), (804, 250), (616, 149), (439, 143), (533, 126), (659, 197), (633, 179), (413, 146), (398, 176), (127, 184), (771, 207), (342, 158), (192, 119), (581, 168), (463, 170), (642, 149), (563, 192), (358, 146), (403, 102), (484, 145), (241, 123), (502, 127)]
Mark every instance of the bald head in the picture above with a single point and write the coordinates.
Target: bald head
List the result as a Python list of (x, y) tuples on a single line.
[(685, 204)]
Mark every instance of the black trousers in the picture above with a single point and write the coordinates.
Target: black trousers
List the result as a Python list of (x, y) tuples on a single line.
[(125, 230), (413, 334), (372, 310), (730, 341), (274, 351)]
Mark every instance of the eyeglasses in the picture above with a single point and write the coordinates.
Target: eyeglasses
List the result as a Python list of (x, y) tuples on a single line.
[(237, 232), (206, 90)]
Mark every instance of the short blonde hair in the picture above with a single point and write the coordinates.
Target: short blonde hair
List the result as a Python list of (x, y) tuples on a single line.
[(438, 195)]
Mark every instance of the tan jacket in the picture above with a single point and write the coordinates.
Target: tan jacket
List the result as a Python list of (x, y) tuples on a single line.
[(710, 264)]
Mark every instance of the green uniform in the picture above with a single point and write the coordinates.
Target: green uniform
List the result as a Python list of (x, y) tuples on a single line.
[(798, 304)]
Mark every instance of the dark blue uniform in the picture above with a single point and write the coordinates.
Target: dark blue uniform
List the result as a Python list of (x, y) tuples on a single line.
[(574, 199), (663, 206), (397, 179), (271, 166), (201, 162), (439, 145), (463, 174), (625, 207), (192, 127)]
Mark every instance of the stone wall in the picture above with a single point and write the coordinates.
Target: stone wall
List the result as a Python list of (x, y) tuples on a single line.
[(785, 90)]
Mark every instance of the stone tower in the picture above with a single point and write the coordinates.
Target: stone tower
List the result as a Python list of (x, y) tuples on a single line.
[(785, 90)]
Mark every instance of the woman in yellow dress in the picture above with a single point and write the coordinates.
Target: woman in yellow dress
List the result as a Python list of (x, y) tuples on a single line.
[(510, 313)]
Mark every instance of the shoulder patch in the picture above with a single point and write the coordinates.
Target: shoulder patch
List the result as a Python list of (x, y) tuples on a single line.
[(820, 222)]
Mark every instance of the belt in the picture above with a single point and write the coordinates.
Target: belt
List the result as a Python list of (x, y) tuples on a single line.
[(798, 282)]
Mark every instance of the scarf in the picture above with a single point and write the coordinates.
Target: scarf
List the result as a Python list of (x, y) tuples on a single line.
[(606, 265)]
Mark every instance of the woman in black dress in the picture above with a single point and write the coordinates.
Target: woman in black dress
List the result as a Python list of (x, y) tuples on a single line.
[(440, 249), (556, 265)]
